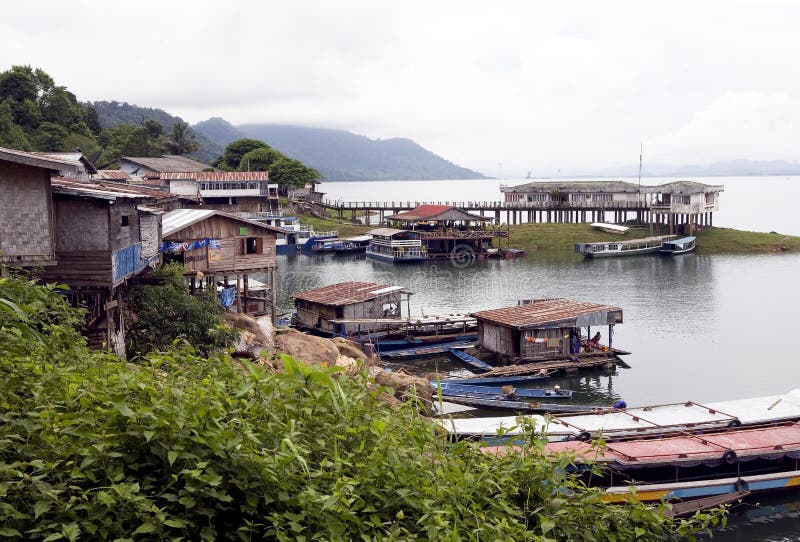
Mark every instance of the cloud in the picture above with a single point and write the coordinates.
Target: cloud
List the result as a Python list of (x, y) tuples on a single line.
[(536, 85)]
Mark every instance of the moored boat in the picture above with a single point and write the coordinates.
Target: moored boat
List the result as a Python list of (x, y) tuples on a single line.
[(657, 420), (632, 247), (610, 228), (517, 406), (679, 246), (475, 390), (347, 245)]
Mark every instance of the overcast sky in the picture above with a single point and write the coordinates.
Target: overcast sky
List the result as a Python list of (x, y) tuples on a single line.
[(532, 85)]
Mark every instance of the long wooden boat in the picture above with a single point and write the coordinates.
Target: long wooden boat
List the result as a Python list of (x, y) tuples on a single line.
[(490, 392), (656, 420), (346, 245), (471, 361), (610, 228), (427, 350), (679, 246), (518, 406), (498, 380), (631, 247)]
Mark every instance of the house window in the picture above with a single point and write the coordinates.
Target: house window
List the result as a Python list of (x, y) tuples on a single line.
[(125, 220), (602, 197), (252, 245)]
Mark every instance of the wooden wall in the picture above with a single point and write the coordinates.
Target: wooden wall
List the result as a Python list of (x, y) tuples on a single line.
[(27, 232), (233, 256), (497, 339)]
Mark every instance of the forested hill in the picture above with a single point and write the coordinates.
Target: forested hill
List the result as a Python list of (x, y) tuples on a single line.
[(114, 113), (341, 155)]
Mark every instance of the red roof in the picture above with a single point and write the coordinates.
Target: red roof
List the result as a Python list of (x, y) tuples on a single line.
[(439, 213), (116, 174), (149, 181)]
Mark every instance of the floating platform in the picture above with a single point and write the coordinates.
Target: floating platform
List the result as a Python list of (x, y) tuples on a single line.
[(520, 406)]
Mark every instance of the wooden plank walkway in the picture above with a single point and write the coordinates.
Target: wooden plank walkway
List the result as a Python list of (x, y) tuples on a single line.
[(551, 366)]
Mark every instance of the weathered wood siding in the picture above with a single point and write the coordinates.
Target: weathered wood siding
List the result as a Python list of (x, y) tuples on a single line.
[(233, 237), (82, 225), (497, 339), (27, 233), (315, 315), (81, 268)]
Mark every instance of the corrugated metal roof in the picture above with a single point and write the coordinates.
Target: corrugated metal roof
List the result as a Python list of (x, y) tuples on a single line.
[(167, 163), (435, 213), (75, 157), (149, 181), (115, 174), (109, 190), (683, 187), (346, 293), (541, 313), (37, 160), (217, 175), (176, 220)]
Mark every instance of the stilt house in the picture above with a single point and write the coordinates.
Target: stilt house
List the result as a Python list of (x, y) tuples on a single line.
[(225, 251), (315, 309), (545, 329)]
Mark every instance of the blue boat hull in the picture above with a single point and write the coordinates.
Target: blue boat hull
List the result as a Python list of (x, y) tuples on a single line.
[(497, 380), (386, 345), (492, 392)]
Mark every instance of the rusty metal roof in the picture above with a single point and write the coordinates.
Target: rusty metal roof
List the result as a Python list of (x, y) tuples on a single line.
[(216, 175), (543, 313), (105, 190), (347, 293), (113, 174)]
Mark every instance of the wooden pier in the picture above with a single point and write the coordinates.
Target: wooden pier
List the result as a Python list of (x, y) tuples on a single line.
[(552, 212)]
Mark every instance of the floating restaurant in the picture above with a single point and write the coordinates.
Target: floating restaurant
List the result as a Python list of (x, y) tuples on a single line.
[(430, 232), (545, 330)]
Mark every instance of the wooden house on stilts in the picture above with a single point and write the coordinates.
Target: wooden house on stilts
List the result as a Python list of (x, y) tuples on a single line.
[(224, 251)]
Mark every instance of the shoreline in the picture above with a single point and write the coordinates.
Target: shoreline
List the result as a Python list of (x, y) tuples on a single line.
[(561, 237)]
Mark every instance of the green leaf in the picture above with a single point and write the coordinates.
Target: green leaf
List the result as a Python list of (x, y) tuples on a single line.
[(546, 525), (71, 531), (126, 411), (54, 536), (172, 455), (40, 508), (6, 531), (177, 523), (187, 501), (144, 528)]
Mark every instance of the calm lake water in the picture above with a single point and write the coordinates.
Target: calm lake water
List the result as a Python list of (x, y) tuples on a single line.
[(705, 328)]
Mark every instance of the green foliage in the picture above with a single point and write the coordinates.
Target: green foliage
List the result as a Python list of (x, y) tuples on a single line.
[(181, 447), (127, 140), (162, 314), (255, 155), (260, 159), (289, 172), (232, 155), (180, 139)]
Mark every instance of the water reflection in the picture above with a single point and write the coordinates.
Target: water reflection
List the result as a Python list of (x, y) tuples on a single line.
[(770, 518)]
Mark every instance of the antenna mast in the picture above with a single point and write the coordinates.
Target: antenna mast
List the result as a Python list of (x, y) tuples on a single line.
[(640, 166)]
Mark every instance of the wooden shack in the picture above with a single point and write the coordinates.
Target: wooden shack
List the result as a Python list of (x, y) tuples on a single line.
[(546, 329), (27, 232), (347, 300), (224, 251), (105, 234)]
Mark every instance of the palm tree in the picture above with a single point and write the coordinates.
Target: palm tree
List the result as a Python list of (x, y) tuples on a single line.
[(180, 139)]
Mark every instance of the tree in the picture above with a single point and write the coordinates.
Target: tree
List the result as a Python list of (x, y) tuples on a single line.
[(232, 155), (290, 172), (49, 137), (11, 135), (162, 314), (259, 159), (180, 139), (18, 84)]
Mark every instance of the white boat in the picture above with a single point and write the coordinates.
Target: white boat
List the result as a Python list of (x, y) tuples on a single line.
[(679, 246), (648, 420), (610, 228), (631, 247)]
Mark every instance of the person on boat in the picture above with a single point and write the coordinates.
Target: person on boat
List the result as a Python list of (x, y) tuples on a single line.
[(594, 342)]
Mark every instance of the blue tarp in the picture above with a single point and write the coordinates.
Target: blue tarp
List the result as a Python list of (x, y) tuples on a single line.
[(227, 296), (173, 247)]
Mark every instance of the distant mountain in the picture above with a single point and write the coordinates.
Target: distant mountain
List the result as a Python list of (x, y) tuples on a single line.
[(116, 113), (727, 168), (340, 155), (219, 131)]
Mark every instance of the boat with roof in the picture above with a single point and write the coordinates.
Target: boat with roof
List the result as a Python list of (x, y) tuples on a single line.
[(679, 246), (631, 247)]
